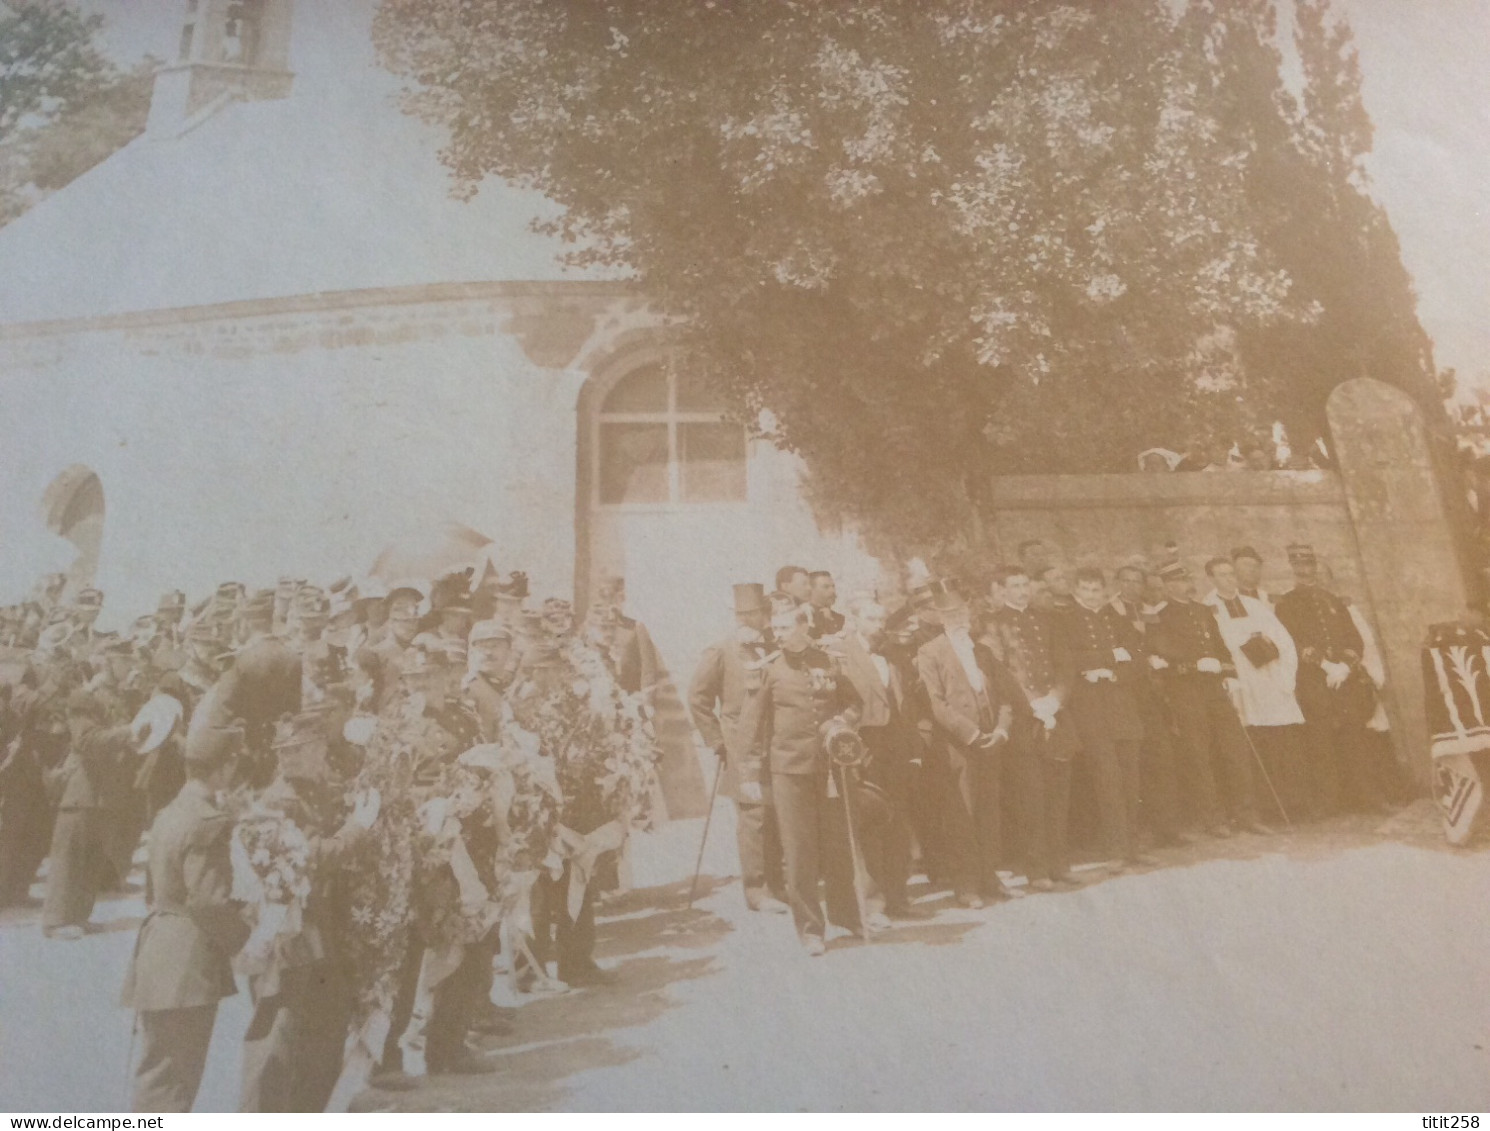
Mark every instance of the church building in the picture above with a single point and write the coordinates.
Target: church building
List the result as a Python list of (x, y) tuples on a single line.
[(263, 339)]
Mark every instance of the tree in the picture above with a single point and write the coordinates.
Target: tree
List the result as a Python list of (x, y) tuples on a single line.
[(937, 241), (63, 105)]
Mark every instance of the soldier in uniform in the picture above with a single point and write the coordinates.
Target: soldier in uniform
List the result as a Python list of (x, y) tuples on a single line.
[(97, 779), (1037, 656), (182, 962), (1105, 713), (977, 706), (302, 987), (801, 694), (383, 662), (1197, 667), (729, 672), (825, 619), (1334, 691)]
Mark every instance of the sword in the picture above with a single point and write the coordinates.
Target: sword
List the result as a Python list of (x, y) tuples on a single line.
[(708, 820), (861, 870)]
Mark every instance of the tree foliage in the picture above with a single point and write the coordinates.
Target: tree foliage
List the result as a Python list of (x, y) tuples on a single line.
[(941, 240), (64, 106)]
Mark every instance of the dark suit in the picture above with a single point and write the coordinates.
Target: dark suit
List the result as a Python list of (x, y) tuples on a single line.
[(99, 779), (728, 674), (182, 962), (972, 805), (1158, 800), (889, 733), (800, 692), (1209, 729), (1107, 723), (1334, 718), (1036, 650)]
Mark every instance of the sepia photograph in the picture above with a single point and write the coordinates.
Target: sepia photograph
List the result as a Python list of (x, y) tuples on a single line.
[(744, 556)]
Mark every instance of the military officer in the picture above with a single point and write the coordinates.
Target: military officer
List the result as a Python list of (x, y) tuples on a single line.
[(1334, 691), (826, 620), (182, 962), (729, 672), (1105, 713), (801, 694), (1197, 665)]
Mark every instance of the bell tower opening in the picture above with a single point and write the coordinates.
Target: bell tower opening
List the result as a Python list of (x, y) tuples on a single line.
[(229, 49)]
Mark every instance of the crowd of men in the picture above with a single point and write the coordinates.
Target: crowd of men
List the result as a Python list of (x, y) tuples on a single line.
[(275, 702), (920, 723)]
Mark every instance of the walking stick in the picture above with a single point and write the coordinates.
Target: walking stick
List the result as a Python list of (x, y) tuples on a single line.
[(129, 1059), (708, 820), (1278, 801)]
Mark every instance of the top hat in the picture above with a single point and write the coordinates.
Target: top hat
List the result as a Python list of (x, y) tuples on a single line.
[(1301, 553), (750, 597)]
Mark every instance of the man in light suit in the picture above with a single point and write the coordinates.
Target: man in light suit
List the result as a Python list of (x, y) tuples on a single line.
[(728, 674), (976, 704)]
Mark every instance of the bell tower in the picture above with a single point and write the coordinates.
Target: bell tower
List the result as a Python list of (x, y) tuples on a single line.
[(228, 49)]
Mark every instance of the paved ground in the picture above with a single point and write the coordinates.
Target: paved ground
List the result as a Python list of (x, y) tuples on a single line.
[(1344, 967)]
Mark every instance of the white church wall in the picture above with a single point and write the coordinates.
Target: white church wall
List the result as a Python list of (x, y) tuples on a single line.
[(301, 444)]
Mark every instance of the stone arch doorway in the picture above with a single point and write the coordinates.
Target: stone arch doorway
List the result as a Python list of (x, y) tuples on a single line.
[(73, 507)]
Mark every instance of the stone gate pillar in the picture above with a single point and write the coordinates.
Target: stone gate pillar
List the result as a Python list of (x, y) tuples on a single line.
[(1408, 555)]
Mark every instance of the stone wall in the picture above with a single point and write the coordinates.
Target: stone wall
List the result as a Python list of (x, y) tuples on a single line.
[(1379, 522)]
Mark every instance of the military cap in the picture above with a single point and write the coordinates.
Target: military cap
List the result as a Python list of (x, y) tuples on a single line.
[(1244, 551), (311, 599), (202, 630), (89, 599), (231, 590), (1301, 553), (259, 607), (172, 602), (1174, 571)]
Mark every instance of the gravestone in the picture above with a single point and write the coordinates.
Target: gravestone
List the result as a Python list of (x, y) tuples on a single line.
[(1409, 561)]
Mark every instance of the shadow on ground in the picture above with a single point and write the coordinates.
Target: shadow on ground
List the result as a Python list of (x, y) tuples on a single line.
[(554, 1038)]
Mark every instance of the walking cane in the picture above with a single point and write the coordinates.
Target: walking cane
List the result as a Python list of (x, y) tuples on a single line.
[(1278, 801), (708, 820)]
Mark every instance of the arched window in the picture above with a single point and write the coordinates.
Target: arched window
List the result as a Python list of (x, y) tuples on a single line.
[(664, 439)]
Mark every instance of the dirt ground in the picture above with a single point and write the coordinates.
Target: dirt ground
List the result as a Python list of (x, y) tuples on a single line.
[(1339, 967)]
